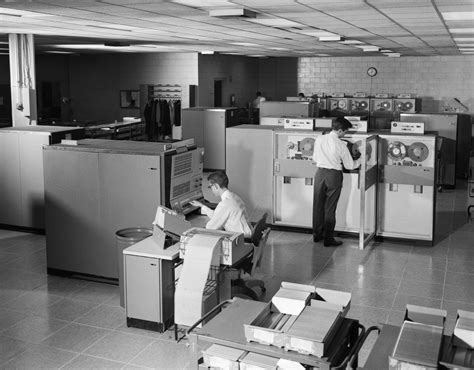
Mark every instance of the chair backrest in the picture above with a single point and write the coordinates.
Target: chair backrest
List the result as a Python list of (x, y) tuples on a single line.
[(259, 251), (258, 230)]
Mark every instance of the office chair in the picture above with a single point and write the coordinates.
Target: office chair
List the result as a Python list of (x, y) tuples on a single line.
[(244, 288)]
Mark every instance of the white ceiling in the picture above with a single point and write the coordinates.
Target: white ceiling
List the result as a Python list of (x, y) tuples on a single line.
[(281, 27)]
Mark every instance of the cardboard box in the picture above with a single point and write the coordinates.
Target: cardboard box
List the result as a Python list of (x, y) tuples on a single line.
[(463, 335), (337, 297), (255, 361), (221, 357), (314, 329)]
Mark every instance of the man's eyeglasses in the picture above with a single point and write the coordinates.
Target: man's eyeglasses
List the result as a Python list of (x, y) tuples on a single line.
[(210, 186)]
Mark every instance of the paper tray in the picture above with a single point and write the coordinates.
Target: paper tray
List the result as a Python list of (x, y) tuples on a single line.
[(269, 327)]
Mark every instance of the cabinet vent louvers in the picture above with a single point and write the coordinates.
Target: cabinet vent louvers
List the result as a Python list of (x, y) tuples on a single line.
[(183, 164), (181, 189)]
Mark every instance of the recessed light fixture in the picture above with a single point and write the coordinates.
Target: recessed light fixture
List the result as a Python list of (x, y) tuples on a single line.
[(275, 22), (331, 38), (244, 44), (462, 30), (351, 42), (59, 52), (393, 55), (462, 39), (458, 16), (207, 52), (232, 12), (279, 49), (203, 3)]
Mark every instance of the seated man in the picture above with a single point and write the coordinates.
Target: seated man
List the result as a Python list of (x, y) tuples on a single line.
[(230, 213)]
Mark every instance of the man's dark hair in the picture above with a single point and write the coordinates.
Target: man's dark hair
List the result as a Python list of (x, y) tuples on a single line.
[(220, 178), (340, 123), (259, 93)]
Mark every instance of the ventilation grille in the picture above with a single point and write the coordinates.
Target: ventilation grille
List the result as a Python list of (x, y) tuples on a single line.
[(182, 164)]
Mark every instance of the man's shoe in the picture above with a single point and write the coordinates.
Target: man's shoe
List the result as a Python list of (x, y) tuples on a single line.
[(332, 243), (317, 238)]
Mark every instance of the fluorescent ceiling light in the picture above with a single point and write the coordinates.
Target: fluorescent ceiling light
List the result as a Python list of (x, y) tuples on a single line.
[(279, 49), (276, 22), (244, 44), (458, 16), (461, 30), (351, 42), (115, 27), (386, 51), (331, 38), (371, 48), (232, 12), (318, 33), (393, 55), (203, 3), (58, 52), (322, 55), (257, 56), (464, 45), (462, 39), (207, 52)]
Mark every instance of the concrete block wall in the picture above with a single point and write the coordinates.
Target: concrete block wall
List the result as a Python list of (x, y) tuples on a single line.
[(278, 78), (239, 76), (96, 80), (435, 79)]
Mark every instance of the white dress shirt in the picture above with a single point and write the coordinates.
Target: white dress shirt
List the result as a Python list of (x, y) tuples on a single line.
[(230, 215), (331, 152)]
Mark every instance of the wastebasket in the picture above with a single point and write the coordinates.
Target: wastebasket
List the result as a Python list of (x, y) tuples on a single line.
[(126, 238)]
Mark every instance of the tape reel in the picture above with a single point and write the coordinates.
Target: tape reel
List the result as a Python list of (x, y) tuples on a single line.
[(361, 105), (397, 150), (341, 104), (418, 152), (306, 146)]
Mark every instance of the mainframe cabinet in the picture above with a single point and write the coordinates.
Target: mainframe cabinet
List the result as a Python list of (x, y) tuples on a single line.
[(21, 172)]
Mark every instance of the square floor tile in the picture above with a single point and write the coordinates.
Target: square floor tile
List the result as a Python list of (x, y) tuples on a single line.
[(62, 286), (373, 298), (67, 309), (421, 289), (461, 293), (75, 337), (39, 357), (34, 329), (452, 307), (97, 293), (33, 301), (119, 346), (10, 347), (88, 362), (166, 355), (401, 301), (103, 316), (454, 278), (423, 274), (9, 318), (374, 282)]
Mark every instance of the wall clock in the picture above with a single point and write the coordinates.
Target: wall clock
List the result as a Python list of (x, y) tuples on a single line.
[(372, 71)]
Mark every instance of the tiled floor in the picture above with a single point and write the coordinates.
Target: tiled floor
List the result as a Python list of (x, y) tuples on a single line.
[(52, 322)]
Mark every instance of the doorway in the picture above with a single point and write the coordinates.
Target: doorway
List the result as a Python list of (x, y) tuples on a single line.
[(217, 93)]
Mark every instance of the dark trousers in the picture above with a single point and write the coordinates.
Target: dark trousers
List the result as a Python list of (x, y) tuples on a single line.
[(327, 189)]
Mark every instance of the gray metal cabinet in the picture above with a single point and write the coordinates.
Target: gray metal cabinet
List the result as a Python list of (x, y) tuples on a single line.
[(21, 172), (249, 166), (149, 285), (90, 194), (208, 128)]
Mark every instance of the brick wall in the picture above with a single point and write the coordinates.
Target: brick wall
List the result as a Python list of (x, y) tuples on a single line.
[(435, 79)]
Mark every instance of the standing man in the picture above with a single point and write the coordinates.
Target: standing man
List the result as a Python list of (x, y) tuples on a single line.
[(230, 213), (258, 99), (330, 154)]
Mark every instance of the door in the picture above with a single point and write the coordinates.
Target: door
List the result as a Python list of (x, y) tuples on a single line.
[(5, 106)]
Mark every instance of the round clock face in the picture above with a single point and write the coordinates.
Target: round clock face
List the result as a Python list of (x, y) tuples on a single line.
[(372, 71)]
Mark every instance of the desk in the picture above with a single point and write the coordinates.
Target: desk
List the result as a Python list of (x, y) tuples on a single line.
[(227, 329)]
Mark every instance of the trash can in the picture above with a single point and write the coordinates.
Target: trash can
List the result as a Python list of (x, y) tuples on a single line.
[(126, 238)]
